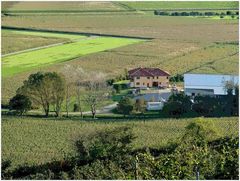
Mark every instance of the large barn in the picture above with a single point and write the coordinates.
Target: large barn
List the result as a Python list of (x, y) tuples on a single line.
[(208, 84)]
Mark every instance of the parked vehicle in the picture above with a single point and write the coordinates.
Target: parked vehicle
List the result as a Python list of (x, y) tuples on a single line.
[(154, 106)]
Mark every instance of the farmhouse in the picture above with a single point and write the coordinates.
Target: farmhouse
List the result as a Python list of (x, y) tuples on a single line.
[(148, 77), (207, 84)]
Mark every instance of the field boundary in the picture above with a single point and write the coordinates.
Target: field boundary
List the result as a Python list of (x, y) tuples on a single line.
[(74, 33)]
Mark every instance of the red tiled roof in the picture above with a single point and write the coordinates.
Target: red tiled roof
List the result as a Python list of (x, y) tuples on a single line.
[(147, 72)]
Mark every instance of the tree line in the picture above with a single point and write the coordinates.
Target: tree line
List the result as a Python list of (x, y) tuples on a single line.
[(49, 90), (196, 13)]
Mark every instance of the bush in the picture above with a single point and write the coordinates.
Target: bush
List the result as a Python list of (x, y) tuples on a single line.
[(173, 109), (175, 14), (177, 78), (194, 13), (76, 108), (125, 106), (20, 103), (221, 16), (117, 87), (184, 14), (209, 13), (229, 13)]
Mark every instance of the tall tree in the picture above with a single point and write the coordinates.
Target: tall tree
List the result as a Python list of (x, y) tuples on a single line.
[(45, 89), (97, 90)]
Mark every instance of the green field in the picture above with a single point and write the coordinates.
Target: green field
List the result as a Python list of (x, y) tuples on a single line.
[(181, 5), (46, 34), (14, 64), (13, 41), (35, 140)]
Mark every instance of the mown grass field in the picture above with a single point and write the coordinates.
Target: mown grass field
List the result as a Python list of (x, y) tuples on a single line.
[(14, 64), (35, 140)]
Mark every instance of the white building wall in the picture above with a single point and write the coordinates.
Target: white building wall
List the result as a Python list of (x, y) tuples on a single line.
[(208, 82)]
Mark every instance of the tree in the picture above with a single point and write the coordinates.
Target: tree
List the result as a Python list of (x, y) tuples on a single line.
[(125, 106), (74, 77), (207, 106), (140, 105), (231, 103), (20, 103), (177, 105), (45, 89), (229, 13), (97, 90)]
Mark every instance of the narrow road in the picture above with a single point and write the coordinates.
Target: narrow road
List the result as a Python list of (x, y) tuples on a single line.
[(104, 110), (32, 49)]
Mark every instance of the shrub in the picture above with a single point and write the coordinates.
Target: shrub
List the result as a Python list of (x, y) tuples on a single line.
[(184, 14), (209, 13), (76, 108), (229, 13), (177, 78), (125, 106), (20, 103), (117, 87)]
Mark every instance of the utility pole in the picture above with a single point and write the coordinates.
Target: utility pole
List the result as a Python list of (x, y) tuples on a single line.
[(136, 168), (197, 172)]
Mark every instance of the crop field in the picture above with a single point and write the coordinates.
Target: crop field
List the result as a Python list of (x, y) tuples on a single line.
[(60, 6), (35, 141), (182, 5), (26, 61), (187, 29)]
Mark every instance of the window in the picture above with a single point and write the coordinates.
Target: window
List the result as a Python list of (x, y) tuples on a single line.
[(157, 77), (137, 83), (143, 83), (148, 77), (167, 77), (138, 77)]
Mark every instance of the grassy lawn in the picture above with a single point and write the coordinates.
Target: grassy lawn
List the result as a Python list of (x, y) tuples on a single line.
[(14, 64), (35, 140), (181, 5), (117, 97)]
